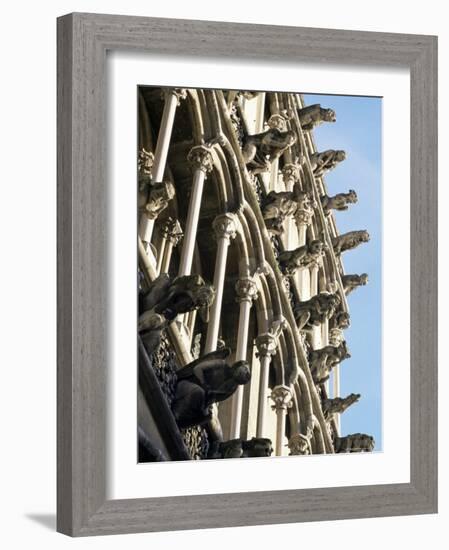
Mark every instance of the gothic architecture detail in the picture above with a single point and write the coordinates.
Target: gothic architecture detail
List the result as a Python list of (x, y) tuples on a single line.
[(243, 310), (349, 240)]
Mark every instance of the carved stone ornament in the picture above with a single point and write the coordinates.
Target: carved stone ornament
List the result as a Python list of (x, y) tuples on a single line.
[(261, 150), (290, 173), (266, 344), (336, 336), (200, 158), (277, 121), (316, 310), (354, 443), (339, 405), (338, 202), (246, 289), (323, 360), (239, 448), (349, 240), (171, 230), (281, 397), (325, 161), (160, 194), (304, 256), (313, 115), (299, 444), (204, 382), (145, 162), (341, 320), (225, 226), (351, 282), (170, 297)]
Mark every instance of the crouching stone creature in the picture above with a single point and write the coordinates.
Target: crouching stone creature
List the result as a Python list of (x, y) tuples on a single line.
[(315, 311), (325, 161), (349, 240), (260, 150), (303, 256), (202, 383), (338, 405), (354, 443), (323, 360), (351, 282), (338, 202), (313, 115)]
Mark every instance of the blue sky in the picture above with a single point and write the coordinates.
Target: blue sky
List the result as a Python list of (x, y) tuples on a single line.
[(358, 132)]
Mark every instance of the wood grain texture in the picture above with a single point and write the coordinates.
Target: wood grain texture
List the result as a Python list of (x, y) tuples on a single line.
[(83, 40)]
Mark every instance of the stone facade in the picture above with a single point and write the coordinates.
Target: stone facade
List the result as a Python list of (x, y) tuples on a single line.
[(236, 221)]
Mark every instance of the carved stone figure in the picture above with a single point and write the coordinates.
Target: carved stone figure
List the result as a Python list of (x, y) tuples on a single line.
[(354, 443), (338, 405), (239, 448), (351, 282), (323, 360), (315, 311), (349, 240), (325, 161), (338, 202), (155, 198), (145, 161), (341, 320), (304, 256), (299, 444), (202, 383), (313, 115), (170, 297), (260, 150), (151, 325), (285, 203)]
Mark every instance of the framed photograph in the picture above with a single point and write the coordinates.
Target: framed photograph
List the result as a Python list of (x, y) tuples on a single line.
[(247, 274)]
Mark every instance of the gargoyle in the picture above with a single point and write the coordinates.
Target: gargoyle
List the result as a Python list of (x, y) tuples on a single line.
[(284, 203), (260, 150), (338, 405), (170, 297), (239, 448), (341, 320), (338, 202), (354, 443), (202, 383), (304, 256), (315, 311), (349, 240), (351, 282), (322, 361), (313, 115), (325, 161)]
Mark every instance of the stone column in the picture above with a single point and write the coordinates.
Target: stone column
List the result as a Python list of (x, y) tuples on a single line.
[(225, 227), (246, 291), (172, 100), (336, 337), (201, 160), (290, 173), (171, 235), (266, 346), (282, 398), (303, 219)]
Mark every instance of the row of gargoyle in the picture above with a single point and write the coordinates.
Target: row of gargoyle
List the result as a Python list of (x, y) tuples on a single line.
[(259, 153)]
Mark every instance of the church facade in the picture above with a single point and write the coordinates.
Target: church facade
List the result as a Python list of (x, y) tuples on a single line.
[(242, 287)]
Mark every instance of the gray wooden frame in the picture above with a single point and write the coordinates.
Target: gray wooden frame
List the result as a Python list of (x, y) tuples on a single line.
[(83, 40)]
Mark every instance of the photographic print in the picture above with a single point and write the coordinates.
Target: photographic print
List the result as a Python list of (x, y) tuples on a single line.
[(259, 274)]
